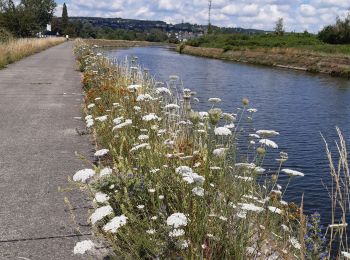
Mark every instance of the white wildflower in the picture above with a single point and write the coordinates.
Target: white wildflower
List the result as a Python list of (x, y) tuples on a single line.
[(154, 218), (292, 172), (151, 190), (115, 223), (250, 207), (144, 97), (102, 152), (245, 165), (100, 213), (101, 197), (177, 233), (214, 100), (83, 175), (285, 228), (91, 105), (140, 146), (118, 120), (140, 206), (242, 214), (203, 114), (223, 218), (214, 168), (172, 106), (269, 143), (259, 170), (295, 243), (230, 126), (177, 220), (83, 246), (254, 136), (184, 244), (137, 108), (163, 90), (126, 123), (101, 118), (220, 152), (143, 137), (151, 231), (345, 254), (252, 110), (222, 131), (106, 171), (198, 191), (150, 117), (267, 133), (244, 178), (89, 123), (134, 87), (275, 210)]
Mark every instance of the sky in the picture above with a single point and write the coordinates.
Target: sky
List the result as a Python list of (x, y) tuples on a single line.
[(298, 15)]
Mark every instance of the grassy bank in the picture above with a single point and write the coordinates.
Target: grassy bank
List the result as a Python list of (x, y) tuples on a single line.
[(17, 49), (169, 182), (120, 43), (302, 52)]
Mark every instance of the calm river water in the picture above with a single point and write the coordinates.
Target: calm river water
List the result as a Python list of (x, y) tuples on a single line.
[(299, 105)]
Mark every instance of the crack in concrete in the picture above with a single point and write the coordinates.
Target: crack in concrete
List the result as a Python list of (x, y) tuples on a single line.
[(44, 238)]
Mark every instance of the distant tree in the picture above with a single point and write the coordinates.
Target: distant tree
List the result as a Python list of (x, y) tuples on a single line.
[(279, 28), (64, 18)]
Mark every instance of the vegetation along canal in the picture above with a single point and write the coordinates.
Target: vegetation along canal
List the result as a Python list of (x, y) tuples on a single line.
[(300, 106)]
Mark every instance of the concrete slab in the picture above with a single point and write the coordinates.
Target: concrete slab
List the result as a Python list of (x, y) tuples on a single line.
[(39, 98)]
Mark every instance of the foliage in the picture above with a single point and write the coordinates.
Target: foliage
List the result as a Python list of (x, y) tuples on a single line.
[(279, 28), (5, 35), (26, 18), (338, 33), (315, 241)]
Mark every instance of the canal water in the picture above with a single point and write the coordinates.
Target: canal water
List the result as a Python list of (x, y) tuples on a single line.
[(299, 105)]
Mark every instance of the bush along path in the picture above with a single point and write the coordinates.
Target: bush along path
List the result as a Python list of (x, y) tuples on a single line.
[(169, 181)]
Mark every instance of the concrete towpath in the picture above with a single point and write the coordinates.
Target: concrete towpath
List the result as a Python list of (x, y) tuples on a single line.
[(39, 98)]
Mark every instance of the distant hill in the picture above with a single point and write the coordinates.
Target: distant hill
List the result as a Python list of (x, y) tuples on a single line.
[(146, 25)]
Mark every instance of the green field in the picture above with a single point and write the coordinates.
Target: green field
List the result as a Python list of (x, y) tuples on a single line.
[(294, 40)]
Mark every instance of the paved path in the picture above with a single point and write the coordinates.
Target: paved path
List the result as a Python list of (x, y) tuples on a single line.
[(37, 145)]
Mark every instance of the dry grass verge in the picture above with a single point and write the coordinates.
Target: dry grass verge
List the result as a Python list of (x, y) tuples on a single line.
[(18, 49)]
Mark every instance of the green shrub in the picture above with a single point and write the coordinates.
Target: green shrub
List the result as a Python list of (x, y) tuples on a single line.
[(5, 36)]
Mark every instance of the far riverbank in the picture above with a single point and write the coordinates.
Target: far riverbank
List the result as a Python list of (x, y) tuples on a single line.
[(336, 65)]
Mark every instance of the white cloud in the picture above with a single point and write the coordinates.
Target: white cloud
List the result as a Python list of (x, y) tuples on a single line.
[(261, 14)]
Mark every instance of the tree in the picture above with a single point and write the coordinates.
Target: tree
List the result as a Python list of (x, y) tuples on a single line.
[(279, 28), (40, 10), (64, 18)]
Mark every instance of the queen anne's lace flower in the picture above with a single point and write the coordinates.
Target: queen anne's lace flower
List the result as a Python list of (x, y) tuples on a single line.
[(83, 175), (100, 213), (268, 143), (222, 131), (101, 152), (115, 223), (292, 172), (177, 220), (83, 246)]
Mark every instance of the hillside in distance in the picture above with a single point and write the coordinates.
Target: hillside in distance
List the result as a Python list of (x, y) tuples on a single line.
[(146, 25)]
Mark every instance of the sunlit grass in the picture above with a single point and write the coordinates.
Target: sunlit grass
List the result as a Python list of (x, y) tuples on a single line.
[(17, 49)]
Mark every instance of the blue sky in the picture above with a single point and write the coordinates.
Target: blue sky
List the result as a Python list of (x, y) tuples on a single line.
[(299, 15)]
